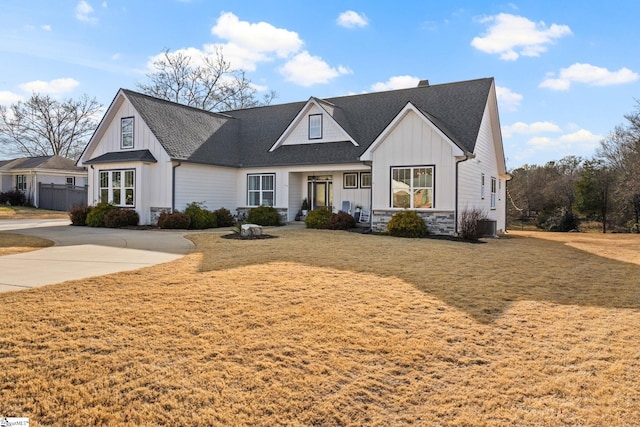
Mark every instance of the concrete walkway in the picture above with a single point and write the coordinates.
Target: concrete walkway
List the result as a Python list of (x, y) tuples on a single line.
[(81, 252)]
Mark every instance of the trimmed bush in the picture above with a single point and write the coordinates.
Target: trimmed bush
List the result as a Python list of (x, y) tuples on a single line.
[(14, 198), (340, 221), (264, 215), (470, 228), (407, 224), (118, 218), (201, 218), (174, 221), (78, 214), (224, 217), (318, 218), (95, 218)]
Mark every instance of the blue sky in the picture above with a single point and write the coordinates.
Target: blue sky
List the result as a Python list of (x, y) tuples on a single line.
[(566, 71)]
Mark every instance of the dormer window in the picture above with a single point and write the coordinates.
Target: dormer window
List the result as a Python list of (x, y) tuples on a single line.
[(126, 127), (315, 126)]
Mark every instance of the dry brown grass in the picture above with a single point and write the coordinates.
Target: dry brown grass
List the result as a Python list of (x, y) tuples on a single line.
[(26, 212), (621, 247), (332, 328), (16, 243)]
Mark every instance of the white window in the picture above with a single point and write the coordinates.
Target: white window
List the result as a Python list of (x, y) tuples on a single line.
[(494, 185), (118, 187), (71, 180), (412, 187), (261, 189), (315, 126), (126, 127), (21, 182), (482, 186), (350, 180), (365, 179)]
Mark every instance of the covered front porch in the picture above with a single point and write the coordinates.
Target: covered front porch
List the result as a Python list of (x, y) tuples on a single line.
[(348, 191)]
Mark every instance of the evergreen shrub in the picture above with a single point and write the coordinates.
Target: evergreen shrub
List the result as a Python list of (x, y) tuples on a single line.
[(318, 218), (264, 215), (407, 224), (201, 218), (95, 218)]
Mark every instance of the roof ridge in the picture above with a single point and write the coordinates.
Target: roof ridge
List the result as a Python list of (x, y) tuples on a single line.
[(176, 104)]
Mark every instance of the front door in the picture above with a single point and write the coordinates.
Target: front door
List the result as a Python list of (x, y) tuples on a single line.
[(320, 190)]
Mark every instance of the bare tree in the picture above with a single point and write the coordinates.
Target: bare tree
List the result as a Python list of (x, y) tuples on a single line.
[(620, 151), (43, 126), (207, 82)]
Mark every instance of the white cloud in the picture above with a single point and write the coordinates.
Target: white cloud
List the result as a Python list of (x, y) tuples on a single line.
[(46, 27), (508, 100), (578, 142), (529, 128), (351, 19), (84, 12), (54, 87), (511, 36), (307, 70), (396, 82), (7, 98), (588, 74), (116, 57), (259, 37)]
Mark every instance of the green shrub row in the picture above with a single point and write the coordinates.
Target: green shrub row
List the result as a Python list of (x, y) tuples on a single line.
[(323, 218), (103, 215), (14, 198)]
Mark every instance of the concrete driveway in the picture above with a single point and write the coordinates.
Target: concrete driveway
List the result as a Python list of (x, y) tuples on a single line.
[(81, 252)]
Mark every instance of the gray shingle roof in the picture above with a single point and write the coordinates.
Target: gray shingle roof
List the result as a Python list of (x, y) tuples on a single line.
[(244, 137), (40, 162), (124, 156)]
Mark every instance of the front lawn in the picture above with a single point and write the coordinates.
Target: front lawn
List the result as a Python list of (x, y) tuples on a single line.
[(27, 212), (332, 328), (16, 243)]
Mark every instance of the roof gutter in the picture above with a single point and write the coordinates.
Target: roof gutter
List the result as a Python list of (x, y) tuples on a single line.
[(467, 156), (173, 186)]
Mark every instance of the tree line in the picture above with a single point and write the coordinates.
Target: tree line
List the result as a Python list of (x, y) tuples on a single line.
[(605, 188), (44, 126)]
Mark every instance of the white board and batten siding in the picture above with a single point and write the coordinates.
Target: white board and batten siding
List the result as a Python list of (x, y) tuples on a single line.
[(331, 131), (214, 186), (414, 142), (470, 176), (152, 180)]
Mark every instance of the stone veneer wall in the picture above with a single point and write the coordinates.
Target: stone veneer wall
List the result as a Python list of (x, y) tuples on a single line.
[(243, 213), (438, 222), (155, 214)]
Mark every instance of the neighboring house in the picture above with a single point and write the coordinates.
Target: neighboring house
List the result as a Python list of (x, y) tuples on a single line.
[(30, 174), (435, 149)]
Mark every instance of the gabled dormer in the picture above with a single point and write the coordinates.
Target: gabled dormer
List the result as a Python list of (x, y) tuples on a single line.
[(314, 124)]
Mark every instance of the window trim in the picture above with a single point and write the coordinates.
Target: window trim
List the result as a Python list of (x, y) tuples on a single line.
[(363, 174), (122, 133), (320, 126), (72, 179), (482, 186), (261, 191), (344, 180), (411, 188), (122, 187), (21, 182)]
